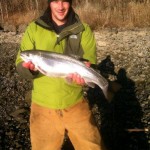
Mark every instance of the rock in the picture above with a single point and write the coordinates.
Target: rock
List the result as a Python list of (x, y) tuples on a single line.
[(1, 28), (21, 28), (129, 66), (102, 43), (9, 27)]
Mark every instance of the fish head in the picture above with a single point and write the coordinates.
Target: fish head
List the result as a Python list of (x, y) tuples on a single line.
[(27, 55)]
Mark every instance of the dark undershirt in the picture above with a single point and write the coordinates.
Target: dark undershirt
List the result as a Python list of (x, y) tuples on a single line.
[(57, 28)]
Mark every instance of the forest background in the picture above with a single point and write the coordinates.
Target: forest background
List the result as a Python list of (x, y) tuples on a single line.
[(97, 13)]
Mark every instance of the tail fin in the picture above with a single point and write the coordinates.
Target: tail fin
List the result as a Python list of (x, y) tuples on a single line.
[(111, 89), (108, 94)]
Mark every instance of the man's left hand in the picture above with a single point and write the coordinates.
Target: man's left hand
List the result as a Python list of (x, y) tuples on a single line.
[(76, 78)]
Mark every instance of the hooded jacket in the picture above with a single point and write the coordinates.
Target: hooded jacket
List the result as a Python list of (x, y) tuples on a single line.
[(75, 38)]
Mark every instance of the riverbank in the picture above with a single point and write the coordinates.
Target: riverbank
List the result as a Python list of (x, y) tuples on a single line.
[(128, 64)]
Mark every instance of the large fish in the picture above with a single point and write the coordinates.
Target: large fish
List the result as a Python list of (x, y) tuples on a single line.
[(59, 65)]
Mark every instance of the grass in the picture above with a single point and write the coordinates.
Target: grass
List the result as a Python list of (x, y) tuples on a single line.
[(101, 14), (133, 15)]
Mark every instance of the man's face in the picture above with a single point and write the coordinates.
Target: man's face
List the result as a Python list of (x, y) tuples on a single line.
[(59, 10)]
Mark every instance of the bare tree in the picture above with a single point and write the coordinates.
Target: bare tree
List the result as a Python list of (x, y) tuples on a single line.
[(37, 5), (2, 15), (6, 10)]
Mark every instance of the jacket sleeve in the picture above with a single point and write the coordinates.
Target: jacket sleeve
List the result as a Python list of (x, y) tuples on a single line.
[(27, 43), (89, 45)]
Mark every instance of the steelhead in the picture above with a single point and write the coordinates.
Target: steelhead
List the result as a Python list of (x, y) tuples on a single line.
[(58, 65)]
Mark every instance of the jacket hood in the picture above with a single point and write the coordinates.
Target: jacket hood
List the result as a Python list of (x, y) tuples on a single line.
[(46, 20), (73, 25)]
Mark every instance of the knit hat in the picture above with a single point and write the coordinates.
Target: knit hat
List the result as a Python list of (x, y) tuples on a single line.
[(70, 1)]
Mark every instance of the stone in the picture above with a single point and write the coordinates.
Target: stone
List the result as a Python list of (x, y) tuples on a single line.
[(21, 28), (9, 27)]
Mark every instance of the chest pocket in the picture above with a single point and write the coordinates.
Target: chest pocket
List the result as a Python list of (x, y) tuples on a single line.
[(73, 45)]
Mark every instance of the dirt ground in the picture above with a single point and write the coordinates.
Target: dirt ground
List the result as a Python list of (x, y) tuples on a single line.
[(129, 108)]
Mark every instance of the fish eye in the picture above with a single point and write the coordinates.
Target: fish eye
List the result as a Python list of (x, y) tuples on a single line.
[(28, 54)]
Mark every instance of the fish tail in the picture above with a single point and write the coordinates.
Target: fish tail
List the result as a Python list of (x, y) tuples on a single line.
[(105, 91), (108, 94)]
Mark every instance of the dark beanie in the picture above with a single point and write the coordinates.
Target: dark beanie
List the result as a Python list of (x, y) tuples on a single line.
[(70, 1)]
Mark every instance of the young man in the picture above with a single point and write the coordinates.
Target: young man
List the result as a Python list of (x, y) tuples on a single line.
[(58, 107)]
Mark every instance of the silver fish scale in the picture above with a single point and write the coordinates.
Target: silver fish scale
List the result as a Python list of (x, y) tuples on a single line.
[(47, 54), (59, 65)]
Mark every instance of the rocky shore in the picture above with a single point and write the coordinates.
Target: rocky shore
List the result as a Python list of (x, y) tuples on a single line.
[(123, 57)]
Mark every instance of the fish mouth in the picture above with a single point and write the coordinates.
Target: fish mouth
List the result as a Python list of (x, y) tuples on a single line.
[(24, 57)]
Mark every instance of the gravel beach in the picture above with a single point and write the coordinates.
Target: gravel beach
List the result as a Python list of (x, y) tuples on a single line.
[(123, 58)]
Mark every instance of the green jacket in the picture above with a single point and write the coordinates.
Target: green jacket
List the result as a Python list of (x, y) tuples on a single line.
[(76, 39)]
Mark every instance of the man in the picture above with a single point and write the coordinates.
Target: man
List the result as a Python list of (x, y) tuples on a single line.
[(58, 107)]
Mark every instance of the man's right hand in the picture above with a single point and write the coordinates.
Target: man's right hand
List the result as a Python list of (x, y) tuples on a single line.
[(29, 65)]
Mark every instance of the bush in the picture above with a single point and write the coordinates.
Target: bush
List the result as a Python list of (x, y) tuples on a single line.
[(97, 13)]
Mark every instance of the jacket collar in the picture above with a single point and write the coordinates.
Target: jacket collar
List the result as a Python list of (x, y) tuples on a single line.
[(46, 21), (73, 25)]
